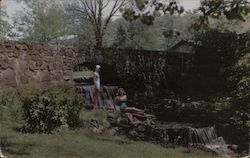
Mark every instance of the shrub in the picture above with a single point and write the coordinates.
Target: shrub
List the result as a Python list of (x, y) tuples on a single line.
[(50, 107), (10, 105), (239, 114)]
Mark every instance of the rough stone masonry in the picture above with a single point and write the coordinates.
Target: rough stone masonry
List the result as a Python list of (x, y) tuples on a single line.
[(22, 63)]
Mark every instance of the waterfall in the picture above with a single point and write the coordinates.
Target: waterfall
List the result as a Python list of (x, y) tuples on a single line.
[(106, 98), (209, 139), (109, 93), (188, 134), (204, 135)]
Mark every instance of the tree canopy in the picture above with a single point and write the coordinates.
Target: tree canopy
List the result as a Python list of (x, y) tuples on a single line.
[(231, 9), (4, 24), (141, 24), (43, 21), (97, 13), (147, 10)]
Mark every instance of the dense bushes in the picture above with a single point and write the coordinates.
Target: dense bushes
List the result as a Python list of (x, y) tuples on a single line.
[(216, 52), (235, 112), (50, 107), (239, 110), (41, 108)]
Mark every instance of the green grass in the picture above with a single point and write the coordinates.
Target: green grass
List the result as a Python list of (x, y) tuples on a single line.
[(81, 143)]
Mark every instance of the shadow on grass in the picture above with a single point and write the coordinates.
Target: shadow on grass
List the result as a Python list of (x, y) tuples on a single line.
[(114, 140), (10, 147)]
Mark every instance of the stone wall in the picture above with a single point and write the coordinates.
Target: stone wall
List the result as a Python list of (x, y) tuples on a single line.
[(127, 62), (150, 71), (22, 63)]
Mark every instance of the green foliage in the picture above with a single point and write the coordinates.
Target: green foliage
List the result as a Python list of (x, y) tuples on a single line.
[(10, 109), (49, 26), (50, 107), (135, 35), (83, 143), (146, 11), (222, 103), (44, 21), (221, 46), (171, 33), (240, 76), (97, 13), (120, 37), (166, 32), (172, 29), (216, 52), (234, 9), (237, 112), (4, 25), (85, 33), (241, 92)]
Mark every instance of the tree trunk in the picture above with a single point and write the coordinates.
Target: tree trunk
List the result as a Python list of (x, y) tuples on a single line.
[(99, 31), (98, 37)]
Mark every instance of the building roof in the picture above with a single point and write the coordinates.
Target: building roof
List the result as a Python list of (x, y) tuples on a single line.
[(182, 47)]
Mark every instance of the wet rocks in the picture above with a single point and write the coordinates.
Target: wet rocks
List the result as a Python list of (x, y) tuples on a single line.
[(136, 126)]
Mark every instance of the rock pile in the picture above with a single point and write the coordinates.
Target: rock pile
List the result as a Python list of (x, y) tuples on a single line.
[(136, 126), (141, 126)]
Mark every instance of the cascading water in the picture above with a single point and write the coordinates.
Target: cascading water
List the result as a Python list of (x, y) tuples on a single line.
[(203, 135), (109, 93), (106, 98), (209, 139), (186, 134)]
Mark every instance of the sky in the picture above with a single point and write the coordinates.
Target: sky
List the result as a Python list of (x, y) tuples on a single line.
[(12, 6)]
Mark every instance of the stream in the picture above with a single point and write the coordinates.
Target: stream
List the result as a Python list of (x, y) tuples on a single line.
[(185, 134), (188, 135)]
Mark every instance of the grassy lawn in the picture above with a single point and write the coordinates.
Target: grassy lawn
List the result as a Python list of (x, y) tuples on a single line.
[(81, 143)]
